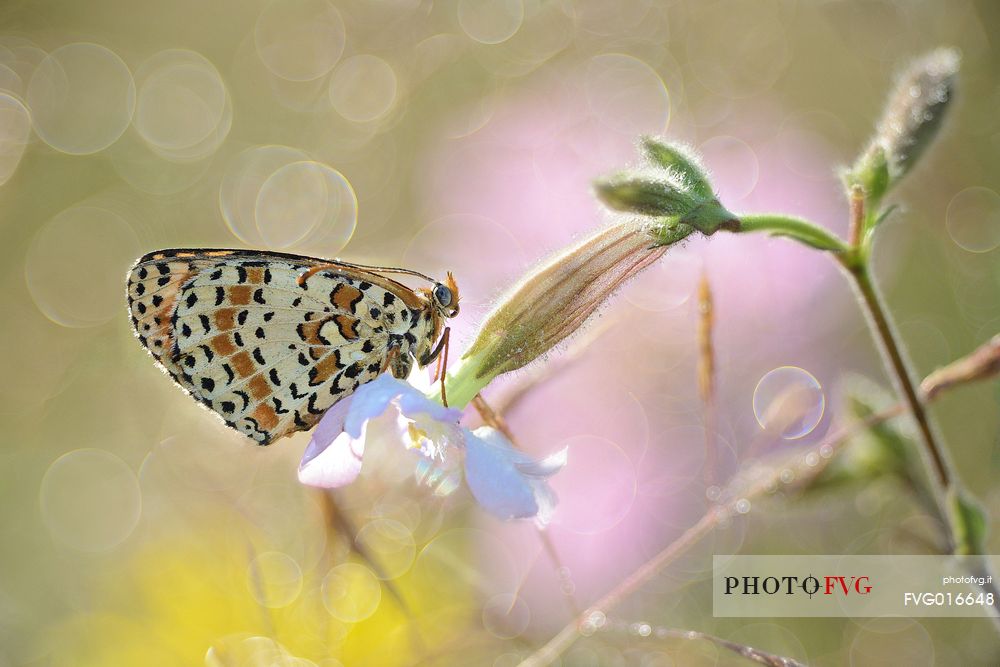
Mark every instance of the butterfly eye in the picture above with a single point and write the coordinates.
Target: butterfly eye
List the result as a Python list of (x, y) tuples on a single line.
[(442, 295)]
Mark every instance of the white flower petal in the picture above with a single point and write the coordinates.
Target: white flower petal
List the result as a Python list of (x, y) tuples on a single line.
[(332, 423), (333, 457), (413, 402), (335, 464), (370, 400), (506, 482), (547, 467)]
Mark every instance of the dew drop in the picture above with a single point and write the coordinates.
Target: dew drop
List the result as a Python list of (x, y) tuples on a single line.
[(789, 402), (595, 621)]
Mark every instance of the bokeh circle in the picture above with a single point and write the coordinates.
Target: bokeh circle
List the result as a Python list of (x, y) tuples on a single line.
[(351, 592), (15, 132), (76, 263), (363, 88), (82, 98), (90, 500), (973, 219), (299, 40)]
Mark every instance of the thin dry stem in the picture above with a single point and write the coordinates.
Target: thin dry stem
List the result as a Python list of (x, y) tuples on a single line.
[(706, 377), (340, 524), (749, 652), (493, 418), (562, 572), (982, 364)]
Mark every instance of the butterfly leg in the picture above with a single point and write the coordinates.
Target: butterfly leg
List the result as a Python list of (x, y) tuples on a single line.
[(437, 368), (443, 360), (444, 364), (390, 359)]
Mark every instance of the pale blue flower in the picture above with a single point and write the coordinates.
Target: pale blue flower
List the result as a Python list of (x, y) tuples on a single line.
[(505, 481)]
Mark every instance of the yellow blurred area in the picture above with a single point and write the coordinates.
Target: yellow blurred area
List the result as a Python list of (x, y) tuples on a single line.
[(182, 602)]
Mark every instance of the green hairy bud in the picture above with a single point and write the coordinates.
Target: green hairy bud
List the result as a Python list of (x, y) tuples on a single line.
[(910, 121)]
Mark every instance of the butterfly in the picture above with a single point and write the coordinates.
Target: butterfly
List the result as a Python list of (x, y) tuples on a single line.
[(270, 341)]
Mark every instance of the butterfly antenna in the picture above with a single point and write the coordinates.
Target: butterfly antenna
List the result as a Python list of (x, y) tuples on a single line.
[(313, 270), (389, 269)]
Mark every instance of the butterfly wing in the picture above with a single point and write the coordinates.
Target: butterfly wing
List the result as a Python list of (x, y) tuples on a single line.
[(270, 356)]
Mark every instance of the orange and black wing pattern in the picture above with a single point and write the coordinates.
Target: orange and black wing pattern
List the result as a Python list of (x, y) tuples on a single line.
[(267, 352)]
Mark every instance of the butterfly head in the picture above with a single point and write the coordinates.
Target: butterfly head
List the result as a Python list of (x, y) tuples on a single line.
[(444, 296)]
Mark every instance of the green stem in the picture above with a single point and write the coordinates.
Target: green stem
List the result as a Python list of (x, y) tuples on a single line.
[(464, 383), (798, 229), (893, 356)]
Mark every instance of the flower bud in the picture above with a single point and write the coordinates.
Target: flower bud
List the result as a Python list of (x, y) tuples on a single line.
[(647, 193), (675, 187), (678, 159), (871, 172), (553, 301), (910, 121)]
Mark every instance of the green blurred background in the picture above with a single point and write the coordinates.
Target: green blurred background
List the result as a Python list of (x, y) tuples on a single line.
[(455, 136)]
